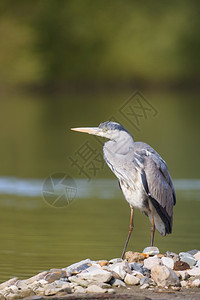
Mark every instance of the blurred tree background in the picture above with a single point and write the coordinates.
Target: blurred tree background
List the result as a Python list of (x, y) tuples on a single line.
[(66, 63), (59, 43)]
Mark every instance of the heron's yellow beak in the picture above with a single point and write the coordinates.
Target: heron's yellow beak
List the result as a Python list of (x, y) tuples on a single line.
[(90, 130)]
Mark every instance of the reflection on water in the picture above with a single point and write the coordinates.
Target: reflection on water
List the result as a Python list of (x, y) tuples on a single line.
[(98, 188), (36, 236)]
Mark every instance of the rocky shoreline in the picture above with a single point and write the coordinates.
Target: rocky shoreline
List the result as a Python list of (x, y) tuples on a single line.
[(148, 271)]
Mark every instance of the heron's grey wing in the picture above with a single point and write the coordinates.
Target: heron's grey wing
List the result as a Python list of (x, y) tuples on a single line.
[(157, 183)]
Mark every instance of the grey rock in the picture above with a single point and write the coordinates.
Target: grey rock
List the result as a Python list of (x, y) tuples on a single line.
[(198, 263), (55, 274), (173, 255), (146, 272), (168, 261), (115, 260), (193, 252), (164, 276), (103, 285), (131, 279), (188, 258), (137, 274), (144, 286), (136, 267), (151, 250), (150, 262), (115, 275), (92, 268), (61, 284), (51, 289), (78, 267), (152, 282), (117, 283), (194, 272), (145, 280), (79, 281), (96, 274), (127, 267), (93, 288), (121, 269)]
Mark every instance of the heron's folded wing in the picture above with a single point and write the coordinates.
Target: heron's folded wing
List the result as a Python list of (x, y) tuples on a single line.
[(157, 182), (160, 189)]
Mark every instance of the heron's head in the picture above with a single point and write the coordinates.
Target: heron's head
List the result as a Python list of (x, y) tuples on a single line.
[(109, 130)]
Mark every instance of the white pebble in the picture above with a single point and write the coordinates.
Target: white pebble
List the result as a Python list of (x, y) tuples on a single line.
[(197, 255), (167, 261), (79, 289), (93, 288), (195, 283), (194, 272), (150, 262), (111, 291), (151, 250), (184, 283), (131, 279)]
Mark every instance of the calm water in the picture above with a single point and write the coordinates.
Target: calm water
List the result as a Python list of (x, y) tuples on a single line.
[(36, 142), (36, 236)]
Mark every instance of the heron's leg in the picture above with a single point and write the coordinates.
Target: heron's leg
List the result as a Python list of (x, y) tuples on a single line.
[(129, 232), (152, 230)]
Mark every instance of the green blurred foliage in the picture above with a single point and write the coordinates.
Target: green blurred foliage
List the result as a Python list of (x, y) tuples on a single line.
[(53, 41)]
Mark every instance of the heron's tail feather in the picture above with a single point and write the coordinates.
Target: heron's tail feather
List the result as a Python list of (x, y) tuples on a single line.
[(166, 219)]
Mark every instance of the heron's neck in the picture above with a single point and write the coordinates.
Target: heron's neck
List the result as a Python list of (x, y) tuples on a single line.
[(121, 145)]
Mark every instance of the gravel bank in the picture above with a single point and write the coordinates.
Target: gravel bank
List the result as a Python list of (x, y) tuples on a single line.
[(147, 275)]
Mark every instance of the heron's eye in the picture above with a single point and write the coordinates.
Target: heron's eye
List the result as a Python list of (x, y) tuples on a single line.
[(106, 129)]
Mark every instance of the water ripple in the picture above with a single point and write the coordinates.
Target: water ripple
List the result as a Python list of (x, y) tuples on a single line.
[(98, 188)]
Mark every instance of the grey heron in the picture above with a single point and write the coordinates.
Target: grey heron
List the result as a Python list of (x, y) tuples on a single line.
[(142, 174)]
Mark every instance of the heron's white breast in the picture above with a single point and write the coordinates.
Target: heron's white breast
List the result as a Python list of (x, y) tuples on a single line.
[(134, 195)]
